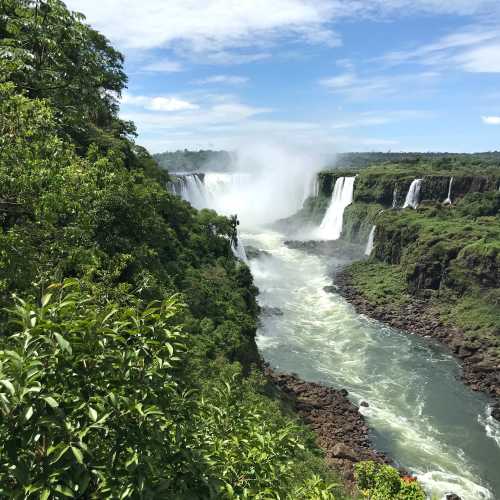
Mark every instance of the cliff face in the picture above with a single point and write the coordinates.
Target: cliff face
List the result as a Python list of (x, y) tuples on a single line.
[(384, 185)]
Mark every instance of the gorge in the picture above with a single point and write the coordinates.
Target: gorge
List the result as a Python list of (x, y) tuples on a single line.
[(416, 405)]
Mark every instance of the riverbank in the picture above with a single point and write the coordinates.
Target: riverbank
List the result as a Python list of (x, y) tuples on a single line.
[(341, 430), (420, 316)]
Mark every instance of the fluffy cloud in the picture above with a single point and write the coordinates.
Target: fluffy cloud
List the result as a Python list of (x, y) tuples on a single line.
[(491, 120), (160, 103), (216, 25)]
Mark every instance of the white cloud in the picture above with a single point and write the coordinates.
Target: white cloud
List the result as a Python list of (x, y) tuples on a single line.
[(217, 25), (484, 59), (170, 104), (361, 88), (164, 66), (475, 49), (491, 120), (222, 79), (203, 24), (159, 103)]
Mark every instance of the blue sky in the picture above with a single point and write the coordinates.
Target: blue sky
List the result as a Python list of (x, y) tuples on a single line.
[(336, 75)]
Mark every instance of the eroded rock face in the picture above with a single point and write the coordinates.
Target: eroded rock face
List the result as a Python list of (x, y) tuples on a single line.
[(340, 429)]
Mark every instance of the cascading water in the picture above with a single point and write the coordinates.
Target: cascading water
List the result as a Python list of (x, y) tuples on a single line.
[(448, 199), (413, 196), (192, 189), (395, 198), (331, 226), (369, 243), (239, 251), (419, 411)]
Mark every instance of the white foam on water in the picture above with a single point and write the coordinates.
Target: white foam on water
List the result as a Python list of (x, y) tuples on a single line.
[(321, 338), (491, 426)]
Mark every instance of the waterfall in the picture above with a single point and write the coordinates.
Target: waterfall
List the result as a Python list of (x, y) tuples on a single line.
[(448, 199), (395, 198), (369, 244), (413, 196), (331, 226), (190, 188), (239, 251)]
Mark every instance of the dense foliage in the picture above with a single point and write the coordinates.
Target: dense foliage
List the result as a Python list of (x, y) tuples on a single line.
[(127, 326)]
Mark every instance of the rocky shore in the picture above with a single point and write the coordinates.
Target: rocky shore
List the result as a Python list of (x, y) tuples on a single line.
[(340, 428), (418, 316)]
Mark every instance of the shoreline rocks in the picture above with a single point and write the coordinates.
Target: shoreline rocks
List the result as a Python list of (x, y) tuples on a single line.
[(341, 430), (418, 317)]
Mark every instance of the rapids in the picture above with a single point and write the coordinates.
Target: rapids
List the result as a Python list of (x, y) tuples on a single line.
[(419, 411)]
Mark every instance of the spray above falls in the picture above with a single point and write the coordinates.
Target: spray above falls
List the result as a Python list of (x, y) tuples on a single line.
[(267, 183), (331, 226)]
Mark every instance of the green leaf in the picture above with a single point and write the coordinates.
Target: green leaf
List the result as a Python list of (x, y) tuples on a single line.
[(28, 414), (8, 385), (51, 402), (63, 343), (44, 494), (46, 299), (92, 414), (78, 454)]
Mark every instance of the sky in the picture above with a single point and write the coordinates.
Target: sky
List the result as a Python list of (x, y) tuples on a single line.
[(334, 75)]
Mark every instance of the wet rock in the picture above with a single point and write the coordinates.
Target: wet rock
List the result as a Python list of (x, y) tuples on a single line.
[(364, 404), (452, 496), (340, 429), (340, 450), (254, 252)]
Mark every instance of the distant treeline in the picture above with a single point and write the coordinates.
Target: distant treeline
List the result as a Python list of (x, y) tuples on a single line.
[(203, 160), (361, 160), (194, 161)]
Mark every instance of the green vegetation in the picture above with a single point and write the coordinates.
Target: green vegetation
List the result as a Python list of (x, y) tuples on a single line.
[(447, 255), (194, 161), (127, 352), (382, 482)]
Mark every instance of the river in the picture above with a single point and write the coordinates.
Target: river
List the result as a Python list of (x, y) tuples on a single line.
[(419, 412)]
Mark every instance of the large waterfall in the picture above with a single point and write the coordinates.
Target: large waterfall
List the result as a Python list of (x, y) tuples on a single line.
[(413, 196), (331, 226), (369, 243)]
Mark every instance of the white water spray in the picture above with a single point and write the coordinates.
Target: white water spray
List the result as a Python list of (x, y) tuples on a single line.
[(448, 199), (239, 251), (413, 196), (331, 226), (369, 244)]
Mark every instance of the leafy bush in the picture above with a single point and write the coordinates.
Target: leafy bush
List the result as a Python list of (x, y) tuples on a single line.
[(382, 482), (92, 404)]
